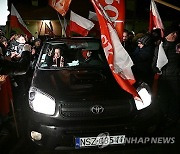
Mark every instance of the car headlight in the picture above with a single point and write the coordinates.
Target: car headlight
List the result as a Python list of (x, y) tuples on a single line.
[(41, 102), (145, 94)]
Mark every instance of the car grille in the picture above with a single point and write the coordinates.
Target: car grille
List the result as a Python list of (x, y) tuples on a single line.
[(84, 110)]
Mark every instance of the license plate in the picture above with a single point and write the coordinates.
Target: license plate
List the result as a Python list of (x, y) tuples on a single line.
[(100, 141)]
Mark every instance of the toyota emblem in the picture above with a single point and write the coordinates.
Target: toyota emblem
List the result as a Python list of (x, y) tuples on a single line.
[(97, 109)]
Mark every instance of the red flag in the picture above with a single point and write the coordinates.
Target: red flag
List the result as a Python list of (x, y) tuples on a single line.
[(116, 11), (117, 57), (155, 19), (79, 24), (17, 22), (60, 6)]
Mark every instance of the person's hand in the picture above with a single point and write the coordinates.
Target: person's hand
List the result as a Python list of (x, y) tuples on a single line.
[(33, 51), (14, 54)]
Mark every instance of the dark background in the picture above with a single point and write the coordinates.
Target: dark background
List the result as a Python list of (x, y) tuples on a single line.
[(81, 7)]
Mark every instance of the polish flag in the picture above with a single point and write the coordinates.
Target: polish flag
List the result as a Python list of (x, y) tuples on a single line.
[(79, 24), (17, 22), (115, 9), (155, 19), (119, 60)]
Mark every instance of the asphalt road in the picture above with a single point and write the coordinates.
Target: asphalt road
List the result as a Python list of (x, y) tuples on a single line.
[(11, 144)]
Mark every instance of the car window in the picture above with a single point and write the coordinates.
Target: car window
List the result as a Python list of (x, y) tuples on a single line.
[(67, 55)]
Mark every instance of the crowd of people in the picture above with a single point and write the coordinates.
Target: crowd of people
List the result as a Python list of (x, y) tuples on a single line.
[(18, 57), (144, 49)]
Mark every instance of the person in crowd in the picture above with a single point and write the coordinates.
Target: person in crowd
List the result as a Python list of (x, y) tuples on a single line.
[(16, 46), (3, 45), (37, 45), (20, 67), (156, 36), (126, 42), (16, 67), (142, 58), (131, 35), (169, 81)]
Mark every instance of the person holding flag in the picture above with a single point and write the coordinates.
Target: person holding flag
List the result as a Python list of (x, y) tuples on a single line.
[(166, 62)]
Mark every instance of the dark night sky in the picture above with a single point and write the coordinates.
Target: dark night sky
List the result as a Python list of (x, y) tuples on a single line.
[(82, 7)]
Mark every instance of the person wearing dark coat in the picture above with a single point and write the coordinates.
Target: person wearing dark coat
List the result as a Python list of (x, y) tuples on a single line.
[(169, 81), (142, 58), (20, 67), (16, 67)]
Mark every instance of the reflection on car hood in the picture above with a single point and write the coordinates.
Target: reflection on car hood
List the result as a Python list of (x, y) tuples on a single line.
[(81, 84)]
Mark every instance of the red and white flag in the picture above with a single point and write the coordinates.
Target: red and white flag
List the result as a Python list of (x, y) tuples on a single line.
[(79, 24), (17, 22), (60, 6), (155, 19), (119, 61), (115, 9)]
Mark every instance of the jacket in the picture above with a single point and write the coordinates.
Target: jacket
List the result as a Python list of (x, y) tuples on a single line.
[(15, 67), (172, 68)]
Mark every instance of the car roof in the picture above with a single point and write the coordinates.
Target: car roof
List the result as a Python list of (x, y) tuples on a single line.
[(71, 40)]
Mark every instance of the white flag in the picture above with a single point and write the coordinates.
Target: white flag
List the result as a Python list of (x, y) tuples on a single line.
[(162, 59)]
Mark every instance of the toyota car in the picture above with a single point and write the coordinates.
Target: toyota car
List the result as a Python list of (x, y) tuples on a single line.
[(75, 102)]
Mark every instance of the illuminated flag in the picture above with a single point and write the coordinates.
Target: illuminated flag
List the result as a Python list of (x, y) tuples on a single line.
[(79, 24), (115, 9), (60, 6), (17, 22), (155, 19), (119, 61)]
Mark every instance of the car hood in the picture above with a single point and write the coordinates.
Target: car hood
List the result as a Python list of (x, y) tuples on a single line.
[(83, 84)]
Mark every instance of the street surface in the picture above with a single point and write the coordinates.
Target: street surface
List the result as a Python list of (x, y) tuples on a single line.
[(10, 144)]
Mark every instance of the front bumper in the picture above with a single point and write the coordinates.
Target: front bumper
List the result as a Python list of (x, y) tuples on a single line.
[(62, 136)]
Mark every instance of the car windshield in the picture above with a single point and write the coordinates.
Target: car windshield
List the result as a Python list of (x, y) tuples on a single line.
[(56, 55)]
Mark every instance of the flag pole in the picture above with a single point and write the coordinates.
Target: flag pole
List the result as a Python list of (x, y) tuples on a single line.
[(167, 4), (12, 106), (62, 26)]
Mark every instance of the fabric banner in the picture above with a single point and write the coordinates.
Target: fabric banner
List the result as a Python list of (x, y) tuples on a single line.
[(116, 11), (119, 61), (17, 22), (79, 24), (60, 6)]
